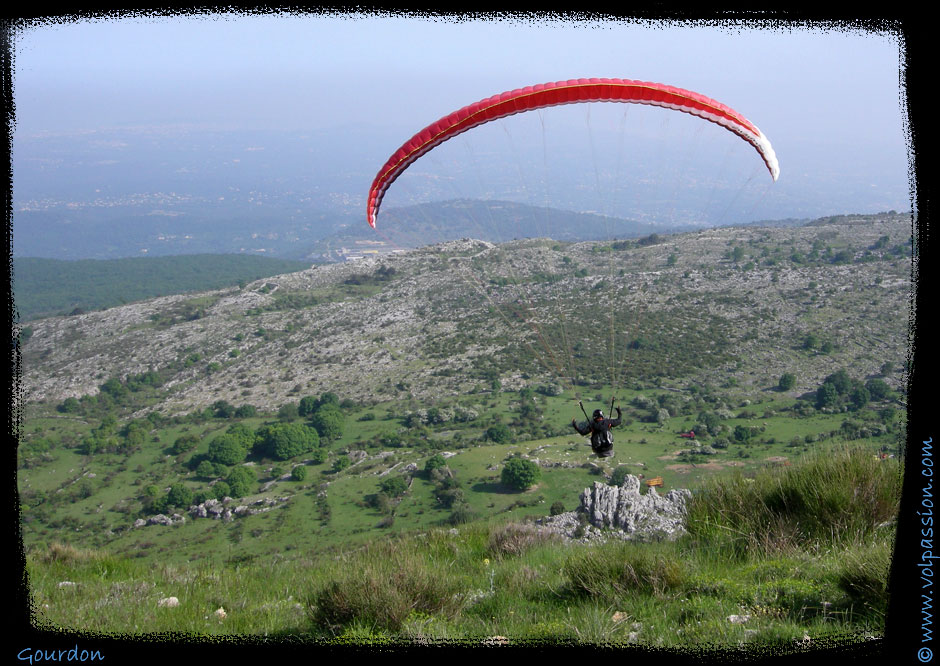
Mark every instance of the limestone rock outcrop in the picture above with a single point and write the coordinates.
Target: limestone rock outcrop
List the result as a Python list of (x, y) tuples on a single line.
[(624, 512)]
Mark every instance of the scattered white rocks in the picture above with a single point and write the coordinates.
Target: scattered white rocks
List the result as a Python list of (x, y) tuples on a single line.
[(168, 602), (387, 471), (369, 348), (357, 456), (217, 510), (161, 519)]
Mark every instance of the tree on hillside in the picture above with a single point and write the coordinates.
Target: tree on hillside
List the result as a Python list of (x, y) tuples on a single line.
[(840, 380), (743, 434), (307, 406), (787, 381), (859, 397), (328, 420), (434, 462), (179, 496), (710, 422), (286, 440), (826, 396), (520, 474), (246, 412), (115, 389), (221, 489), (877, 388), (184, 443), (241, 481), (839, 389), (70, 406), (619, 475), (223, 409), (499, 433), (288, 412), (328, 398), (227, 449), (394, 486), (245, 435)]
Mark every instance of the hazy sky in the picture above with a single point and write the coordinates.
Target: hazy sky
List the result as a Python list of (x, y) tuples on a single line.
[(310, 70), (820, 96)]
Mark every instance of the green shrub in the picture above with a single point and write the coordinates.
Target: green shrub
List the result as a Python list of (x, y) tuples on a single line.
[(515, 539), (520, 474), (381, 586), (611, 571), (499, 434), (619, 475), (283, 441), (206, 469), (462, 513), (328, 420), (434, 462), (227, 449), (394, 486), (183, 444), (179, 496), (241, 480)]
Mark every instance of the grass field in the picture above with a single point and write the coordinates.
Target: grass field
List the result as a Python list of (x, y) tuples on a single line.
[(814, 572)]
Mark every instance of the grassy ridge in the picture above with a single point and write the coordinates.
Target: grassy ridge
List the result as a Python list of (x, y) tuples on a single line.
[(709, 589), (51, 286)]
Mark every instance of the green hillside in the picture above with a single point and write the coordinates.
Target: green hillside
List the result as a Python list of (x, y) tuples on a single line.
[(44, 287), (321, 454)]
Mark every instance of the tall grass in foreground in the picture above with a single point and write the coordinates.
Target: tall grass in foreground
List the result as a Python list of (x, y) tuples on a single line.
[(794, 555), (826, 500)]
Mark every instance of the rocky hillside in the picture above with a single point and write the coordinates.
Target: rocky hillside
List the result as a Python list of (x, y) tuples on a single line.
[(729, 305)]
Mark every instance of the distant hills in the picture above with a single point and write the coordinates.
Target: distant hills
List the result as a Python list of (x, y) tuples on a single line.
[(43, 287), (494, 221)]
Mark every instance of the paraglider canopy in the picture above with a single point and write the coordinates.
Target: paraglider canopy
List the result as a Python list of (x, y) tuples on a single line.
[(564, 92)]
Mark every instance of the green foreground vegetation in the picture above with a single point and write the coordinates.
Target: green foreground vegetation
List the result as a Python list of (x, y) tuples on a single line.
[(186, 468), (786, 557), (382, 524)]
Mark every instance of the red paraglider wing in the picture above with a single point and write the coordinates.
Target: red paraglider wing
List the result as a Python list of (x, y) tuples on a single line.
[(564, 92)]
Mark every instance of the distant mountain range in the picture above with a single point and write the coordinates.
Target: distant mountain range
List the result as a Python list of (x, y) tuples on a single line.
[(493, 221), (46, 287)]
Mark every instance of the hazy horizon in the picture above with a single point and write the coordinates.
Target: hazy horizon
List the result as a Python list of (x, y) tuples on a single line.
[(120, 111)]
